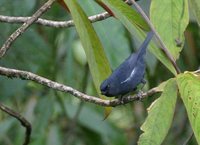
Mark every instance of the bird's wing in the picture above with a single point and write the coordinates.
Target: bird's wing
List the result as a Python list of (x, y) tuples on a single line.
[(125, 70), (133, 63), (130, 76)]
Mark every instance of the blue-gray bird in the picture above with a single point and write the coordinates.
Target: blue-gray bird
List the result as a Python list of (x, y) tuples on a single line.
[(128, 75)]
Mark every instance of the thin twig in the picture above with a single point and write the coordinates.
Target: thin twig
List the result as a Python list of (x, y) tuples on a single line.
[(50, 23), (24, 27), (164, 48), (22, 120), (56, 24), (13, 73), (35, 19)]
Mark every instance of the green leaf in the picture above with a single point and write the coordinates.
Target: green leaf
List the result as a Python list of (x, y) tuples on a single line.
[(125, 13), (97, 60), (96, 57), (160, 116), (109, 35), (133, 22), (170, 19), (195, 6), (161, 86), (189, 89)]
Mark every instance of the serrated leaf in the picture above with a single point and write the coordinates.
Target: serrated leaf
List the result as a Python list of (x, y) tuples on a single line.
[(189, 89), (160, 115), (129, 18), (195, 6), (98, 63), (170, 18)]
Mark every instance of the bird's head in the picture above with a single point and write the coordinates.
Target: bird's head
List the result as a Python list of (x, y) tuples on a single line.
[(105, 88)]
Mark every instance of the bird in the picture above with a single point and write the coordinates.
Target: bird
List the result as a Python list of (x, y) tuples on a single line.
[(129, 74)]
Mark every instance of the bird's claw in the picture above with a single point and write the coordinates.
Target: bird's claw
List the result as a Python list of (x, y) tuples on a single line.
[(144, 81)]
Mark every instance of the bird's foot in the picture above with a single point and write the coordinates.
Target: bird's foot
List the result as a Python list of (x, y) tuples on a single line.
[(144, 81)]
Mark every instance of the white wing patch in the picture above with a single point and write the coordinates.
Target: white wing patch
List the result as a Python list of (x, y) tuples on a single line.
[(132, 73)]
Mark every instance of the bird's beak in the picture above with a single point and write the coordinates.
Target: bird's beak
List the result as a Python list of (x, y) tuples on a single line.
[(103, 93)]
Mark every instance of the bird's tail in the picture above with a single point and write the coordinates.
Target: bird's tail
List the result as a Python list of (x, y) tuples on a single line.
[(143, 47)]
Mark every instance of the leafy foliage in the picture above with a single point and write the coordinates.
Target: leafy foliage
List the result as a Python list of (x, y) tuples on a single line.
[(97, 60), (160, 115), (125, 14), (174, 16), (57, 54), (188, 85)]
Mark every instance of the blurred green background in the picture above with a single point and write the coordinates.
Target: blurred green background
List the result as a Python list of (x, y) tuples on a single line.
[(57, 54)]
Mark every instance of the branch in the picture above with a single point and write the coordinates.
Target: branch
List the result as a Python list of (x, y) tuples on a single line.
[(22, 120), (13, 73), (50, 23), (56, 24), (23, 28), (164, 48), (35, 18)]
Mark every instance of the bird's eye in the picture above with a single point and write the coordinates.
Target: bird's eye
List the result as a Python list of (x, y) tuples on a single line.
[(106, 88)]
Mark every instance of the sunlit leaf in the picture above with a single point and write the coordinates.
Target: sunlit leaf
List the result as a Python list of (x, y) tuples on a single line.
[(161, 87), (189, 88), (160, 115), (170, 18)]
